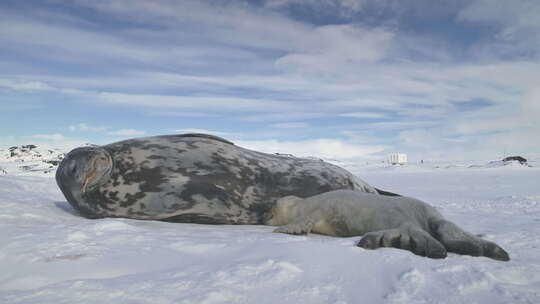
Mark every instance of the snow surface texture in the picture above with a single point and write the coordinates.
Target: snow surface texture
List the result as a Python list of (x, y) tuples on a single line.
[(49, 254)]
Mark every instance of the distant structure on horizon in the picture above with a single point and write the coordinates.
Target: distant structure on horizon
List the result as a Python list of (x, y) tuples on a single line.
[(397, 158)]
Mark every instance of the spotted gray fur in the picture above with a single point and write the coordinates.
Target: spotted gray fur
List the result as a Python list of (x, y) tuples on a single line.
[(194, 178)]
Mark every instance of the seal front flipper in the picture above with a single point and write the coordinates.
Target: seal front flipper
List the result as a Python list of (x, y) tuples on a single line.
[(413, 239), (459, 241), (301, 227)]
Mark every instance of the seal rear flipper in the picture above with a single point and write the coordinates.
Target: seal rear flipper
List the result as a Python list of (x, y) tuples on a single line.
[(412, 239), (459, 241)]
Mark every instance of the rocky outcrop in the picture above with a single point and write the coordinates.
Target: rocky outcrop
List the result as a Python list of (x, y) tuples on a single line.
[(520, 159), (29, 160)]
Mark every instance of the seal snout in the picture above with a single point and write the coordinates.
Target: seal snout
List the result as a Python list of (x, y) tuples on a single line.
[(81, 172)]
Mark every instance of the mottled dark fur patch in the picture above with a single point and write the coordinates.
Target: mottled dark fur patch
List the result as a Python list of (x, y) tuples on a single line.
[(228, 183)]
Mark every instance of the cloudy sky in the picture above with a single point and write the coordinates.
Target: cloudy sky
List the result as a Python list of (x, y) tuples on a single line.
[(345, 79)]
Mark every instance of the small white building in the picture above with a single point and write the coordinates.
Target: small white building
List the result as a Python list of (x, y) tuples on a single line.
[(397, 158)]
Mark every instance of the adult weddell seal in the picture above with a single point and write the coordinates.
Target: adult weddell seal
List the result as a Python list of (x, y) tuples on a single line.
[(199, 178)]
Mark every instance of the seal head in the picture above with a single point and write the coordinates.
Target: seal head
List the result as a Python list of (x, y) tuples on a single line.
[(80, 173)]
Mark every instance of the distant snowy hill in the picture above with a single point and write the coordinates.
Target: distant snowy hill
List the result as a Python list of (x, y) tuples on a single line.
[(30, 160), (361, 168), (42, 161), (503, 163)]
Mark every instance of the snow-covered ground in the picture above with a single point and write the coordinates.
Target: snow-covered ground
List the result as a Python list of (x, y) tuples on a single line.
[(49, 254)]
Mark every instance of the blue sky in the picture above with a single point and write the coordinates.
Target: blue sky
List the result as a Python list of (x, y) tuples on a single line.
[(343, 79)]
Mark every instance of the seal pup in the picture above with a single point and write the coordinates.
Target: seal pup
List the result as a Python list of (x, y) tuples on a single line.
[(196, 178), (384, 221)]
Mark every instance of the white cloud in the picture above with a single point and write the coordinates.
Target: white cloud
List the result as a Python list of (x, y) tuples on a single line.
[(517, 23), (53, 140), (15, 30), (4, 108), (400, 125), (530, 107), (174, 113), (24, 85), (212, 103), (514, 15), (369, 115), (203, 131), (322, 148), (339, 7), (234, 27), (284, 115), (253, 65), (479, 126), (338, 45), (290, 125), (84, 127), (49, 137), (514, 107), (126, 132)]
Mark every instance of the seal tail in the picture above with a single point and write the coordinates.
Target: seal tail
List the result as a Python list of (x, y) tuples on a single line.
[(382, 192)]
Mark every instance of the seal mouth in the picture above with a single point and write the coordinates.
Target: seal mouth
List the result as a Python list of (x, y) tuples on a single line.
[(80, 174)]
